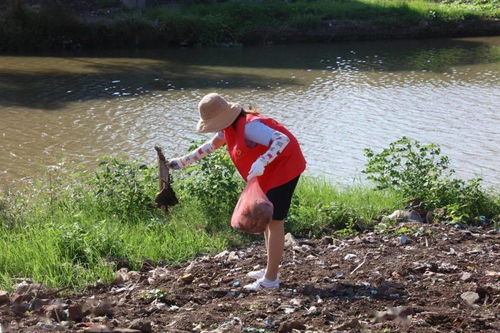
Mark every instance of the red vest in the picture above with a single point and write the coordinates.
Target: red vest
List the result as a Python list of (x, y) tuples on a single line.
[(285, 167)]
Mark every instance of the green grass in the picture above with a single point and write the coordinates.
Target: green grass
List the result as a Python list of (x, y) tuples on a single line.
[(68, 230), (320, 207), (71, 228), (192, 23)]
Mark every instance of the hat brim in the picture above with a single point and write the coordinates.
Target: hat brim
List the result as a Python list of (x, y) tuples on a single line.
[(220, 122)]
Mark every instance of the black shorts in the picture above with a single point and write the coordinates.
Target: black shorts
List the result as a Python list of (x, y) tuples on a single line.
[(281, 197)]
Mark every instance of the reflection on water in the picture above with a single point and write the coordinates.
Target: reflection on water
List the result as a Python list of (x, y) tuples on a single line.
[(337, 98)]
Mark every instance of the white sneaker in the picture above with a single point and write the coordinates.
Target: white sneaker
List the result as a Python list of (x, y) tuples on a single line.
[(262, 284), (256, 275)]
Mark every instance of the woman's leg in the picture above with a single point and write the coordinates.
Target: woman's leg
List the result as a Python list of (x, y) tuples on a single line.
[(275, 244), (266, 238)]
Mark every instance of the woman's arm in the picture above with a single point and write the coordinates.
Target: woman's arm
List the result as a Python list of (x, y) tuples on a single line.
[(262, 134), (206, 148)]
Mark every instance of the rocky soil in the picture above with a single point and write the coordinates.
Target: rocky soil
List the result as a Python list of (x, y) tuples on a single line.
[(413, 277)]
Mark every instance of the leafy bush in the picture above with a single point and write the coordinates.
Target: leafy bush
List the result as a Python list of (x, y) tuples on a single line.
[(125, 188), (421, 171), (214, 182), (407, 165)]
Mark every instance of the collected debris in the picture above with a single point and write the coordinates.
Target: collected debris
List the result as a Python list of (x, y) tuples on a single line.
[(166, 197)]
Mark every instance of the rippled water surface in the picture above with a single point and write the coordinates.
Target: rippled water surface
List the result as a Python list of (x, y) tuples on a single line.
[(337, 99)]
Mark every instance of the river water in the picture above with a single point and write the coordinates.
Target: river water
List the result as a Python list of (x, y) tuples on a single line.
[(337, 98)]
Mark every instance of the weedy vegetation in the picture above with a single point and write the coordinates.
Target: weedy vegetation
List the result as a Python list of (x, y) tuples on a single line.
[(72, 227)]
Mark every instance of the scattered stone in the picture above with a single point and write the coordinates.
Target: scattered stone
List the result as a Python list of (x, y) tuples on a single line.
[(353, 324), (103, 308), (327, 240), (232, 257), (52, 327), (492, 273), (424, 276), (414, 217), (190, 267), (288, 327), (350, 256), (142, 325), (96, 328), (19, 308), (397, 215), (55, 312), (75, 312), (466, 276), (221, 254), (404, 216), (470, 297), (393, 313), (23, 287), (158, 274), (4, 297), (446, 267), (121, 276), (312, 311), (290, 241), (125, 330), (134, 275), (403, 239)]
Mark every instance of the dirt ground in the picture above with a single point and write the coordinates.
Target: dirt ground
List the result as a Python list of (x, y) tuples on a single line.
[(434, 278)]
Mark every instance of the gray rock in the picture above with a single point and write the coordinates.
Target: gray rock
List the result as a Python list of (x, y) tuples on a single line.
[(466, 276), (232, 257), (470, 297), (4, 297), (221, 254), (290, 241), (142, 325), (98, 329), (350, 256), (403, 239)]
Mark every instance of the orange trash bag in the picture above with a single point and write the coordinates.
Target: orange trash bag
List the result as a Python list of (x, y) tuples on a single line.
[(254, 211)]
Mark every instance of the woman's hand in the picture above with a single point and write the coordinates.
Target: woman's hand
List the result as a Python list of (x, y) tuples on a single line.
[(175, 164), (257, 169)]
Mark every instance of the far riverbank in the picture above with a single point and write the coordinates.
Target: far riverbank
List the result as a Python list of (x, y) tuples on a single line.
[(36, 26)]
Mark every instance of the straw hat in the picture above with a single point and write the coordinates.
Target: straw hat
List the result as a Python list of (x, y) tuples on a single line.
[(215, 113)]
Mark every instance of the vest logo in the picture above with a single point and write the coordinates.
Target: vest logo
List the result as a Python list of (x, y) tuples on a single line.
[(237, 154)]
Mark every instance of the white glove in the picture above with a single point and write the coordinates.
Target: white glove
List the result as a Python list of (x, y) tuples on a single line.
[(175, 163), (256, 170)]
